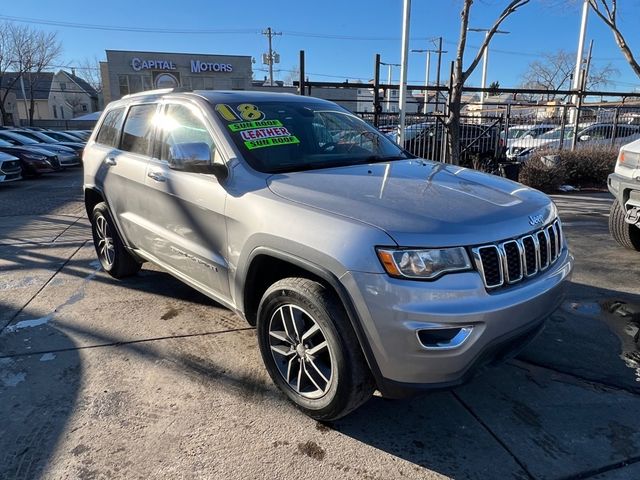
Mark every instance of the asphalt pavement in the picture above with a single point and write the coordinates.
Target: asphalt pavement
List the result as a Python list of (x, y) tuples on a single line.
[(146, 378)]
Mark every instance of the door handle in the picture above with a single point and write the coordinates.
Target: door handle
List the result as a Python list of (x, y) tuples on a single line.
[(110, 161), (158, 177)]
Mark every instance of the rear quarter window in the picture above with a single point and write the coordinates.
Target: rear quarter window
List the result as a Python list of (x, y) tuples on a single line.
[(110, 128)]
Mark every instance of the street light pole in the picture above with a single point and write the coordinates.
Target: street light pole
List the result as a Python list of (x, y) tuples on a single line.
[(406, 14), (579, 55), (388, 90)]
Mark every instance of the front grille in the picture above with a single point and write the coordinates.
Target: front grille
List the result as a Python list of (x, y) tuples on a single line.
[(10, 166), (55, 163), (511, 261)]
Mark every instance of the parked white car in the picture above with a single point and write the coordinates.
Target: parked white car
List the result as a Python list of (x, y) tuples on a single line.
[(525, 132), (594, 135), (624, 219)]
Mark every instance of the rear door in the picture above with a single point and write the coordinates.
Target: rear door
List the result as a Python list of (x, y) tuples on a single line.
[(189, 228)]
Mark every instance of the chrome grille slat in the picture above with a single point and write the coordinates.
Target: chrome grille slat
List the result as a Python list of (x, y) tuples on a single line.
[(509, 262)]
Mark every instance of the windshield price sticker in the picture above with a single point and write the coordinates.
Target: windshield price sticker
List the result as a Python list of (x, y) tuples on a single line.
[(271, 142), (236, 127), (264, 133)]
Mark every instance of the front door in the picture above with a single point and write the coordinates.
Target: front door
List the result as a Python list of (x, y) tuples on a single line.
[(190, 230)]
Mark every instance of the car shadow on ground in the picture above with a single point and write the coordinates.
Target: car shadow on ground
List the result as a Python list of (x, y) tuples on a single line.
[(565, 407)]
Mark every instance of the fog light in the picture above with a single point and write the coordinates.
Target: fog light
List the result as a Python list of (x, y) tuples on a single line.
[(443, 338)]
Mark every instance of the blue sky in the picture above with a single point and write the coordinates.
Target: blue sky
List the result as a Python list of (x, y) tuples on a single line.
[(542, 26)]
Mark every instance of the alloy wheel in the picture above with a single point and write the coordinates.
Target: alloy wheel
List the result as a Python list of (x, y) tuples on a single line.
[(106, 248), (300, 351)]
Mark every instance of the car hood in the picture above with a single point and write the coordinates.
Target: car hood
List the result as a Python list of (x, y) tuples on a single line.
[(421, 203), (54, 148)]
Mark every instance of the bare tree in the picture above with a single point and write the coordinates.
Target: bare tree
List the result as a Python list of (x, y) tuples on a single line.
[(89, 70), (554, 72), (9, 72), (607, 12), (460, 75), (37, 50), (293, 75)]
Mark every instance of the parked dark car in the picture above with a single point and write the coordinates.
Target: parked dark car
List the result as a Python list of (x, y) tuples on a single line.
[(42, 137), (64, 137), (81, 134), (33, 161), (477, 142), (66, 155)]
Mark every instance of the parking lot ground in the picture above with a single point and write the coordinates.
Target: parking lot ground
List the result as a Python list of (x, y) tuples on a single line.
[(147, 378)]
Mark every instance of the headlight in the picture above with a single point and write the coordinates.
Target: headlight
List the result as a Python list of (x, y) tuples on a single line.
[(629, 159), (425, 264)]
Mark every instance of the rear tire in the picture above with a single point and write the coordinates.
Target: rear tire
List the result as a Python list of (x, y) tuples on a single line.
[(310, 350), (626, 235), (113, 256)]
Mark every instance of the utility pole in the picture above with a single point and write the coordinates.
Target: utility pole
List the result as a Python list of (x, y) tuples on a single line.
[(429, 51), (271, 57)]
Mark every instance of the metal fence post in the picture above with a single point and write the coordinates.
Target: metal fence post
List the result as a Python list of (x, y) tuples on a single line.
[(615, 127), (576, 121), (301, 80), (563, 124), (376, 87)]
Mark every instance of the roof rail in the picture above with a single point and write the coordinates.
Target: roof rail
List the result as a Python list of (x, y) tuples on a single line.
[(159, 91)]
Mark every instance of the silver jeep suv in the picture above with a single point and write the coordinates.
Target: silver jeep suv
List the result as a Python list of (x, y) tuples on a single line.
[(362, 266)]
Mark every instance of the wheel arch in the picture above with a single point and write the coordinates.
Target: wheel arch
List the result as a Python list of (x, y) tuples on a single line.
[(282, 265)]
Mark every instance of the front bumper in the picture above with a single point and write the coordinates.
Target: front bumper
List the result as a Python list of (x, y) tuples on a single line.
[(394, 311), (621, 187), (69, 160)]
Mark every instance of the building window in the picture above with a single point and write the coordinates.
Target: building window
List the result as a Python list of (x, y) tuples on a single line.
[(197, 83), (61, 111), (123, 81), (63, 86), (237, 84), (84, 107), (208, 83), (135, 83), (147, 82), (55, 112)]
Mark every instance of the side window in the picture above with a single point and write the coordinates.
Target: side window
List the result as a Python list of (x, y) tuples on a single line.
[(179, 125), (136, 134), (108, 133)]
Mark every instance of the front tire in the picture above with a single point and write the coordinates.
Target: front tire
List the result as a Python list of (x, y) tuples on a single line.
[(626, 235), (113, 256), (310, 350)]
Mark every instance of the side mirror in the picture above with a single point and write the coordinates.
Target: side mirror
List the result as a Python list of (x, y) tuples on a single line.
[(584, 138), (195, 157)]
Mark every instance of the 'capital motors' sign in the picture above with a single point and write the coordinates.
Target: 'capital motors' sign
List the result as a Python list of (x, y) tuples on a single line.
[(138, 64), (197, 66)]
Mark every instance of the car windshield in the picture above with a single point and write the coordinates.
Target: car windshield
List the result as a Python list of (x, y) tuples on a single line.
[(4, 143), (517, 132), (291, 136), (21, 139), (37, 136), (556, 133)]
